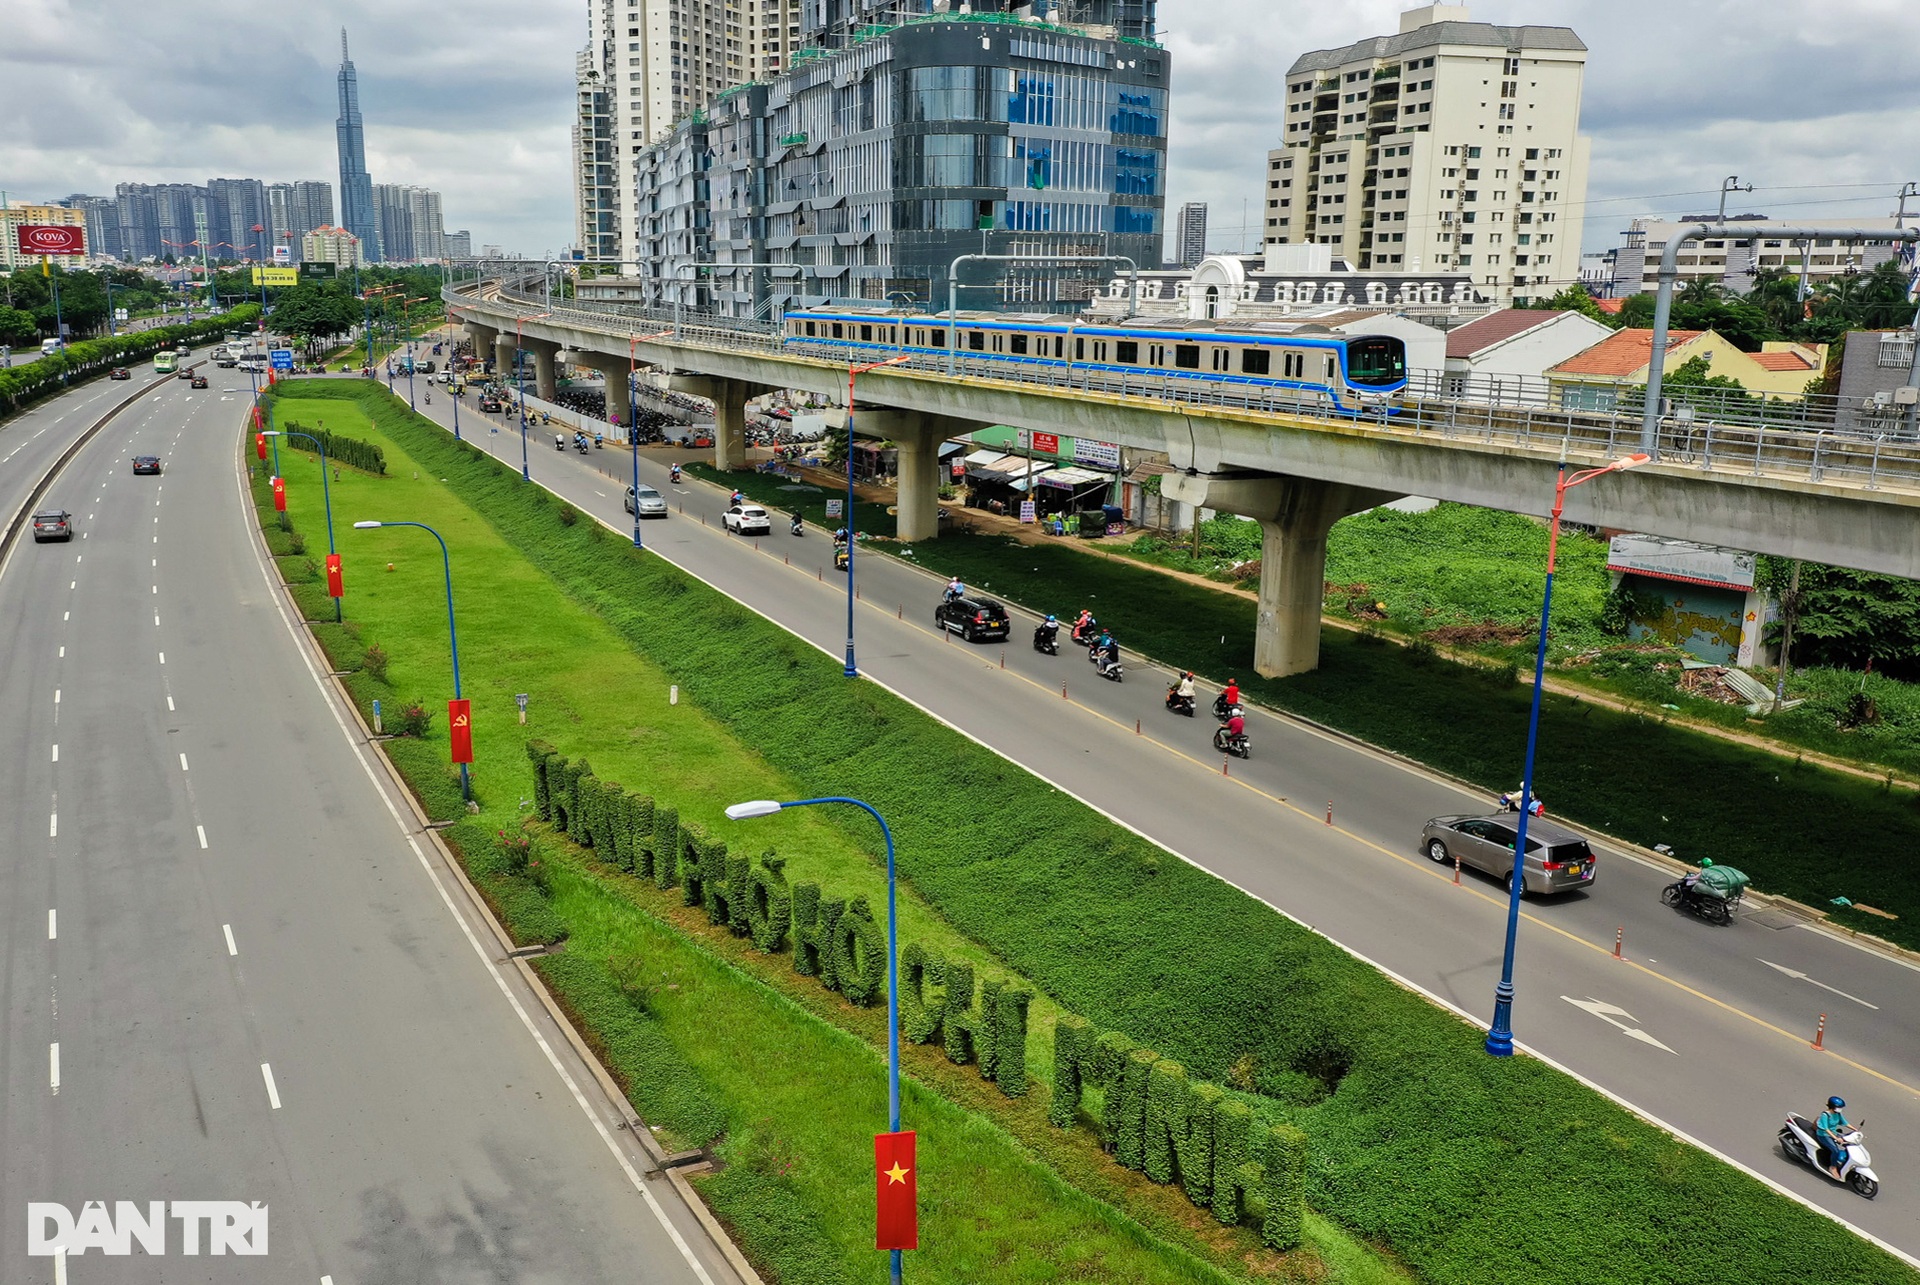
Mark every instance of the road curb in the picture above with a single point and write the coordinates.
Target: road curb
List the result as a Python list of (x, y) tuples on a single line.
[(424, 828)]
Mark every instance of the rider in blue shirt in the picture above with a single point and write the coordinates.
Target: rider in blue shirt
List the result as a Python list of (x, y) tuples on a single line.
[(1827, 1131)]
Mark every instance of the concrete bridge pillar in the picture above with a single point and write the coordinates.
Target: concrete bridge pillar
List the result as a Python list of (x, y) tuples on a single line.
[(916, 438), (543, 351), (504, 347), (613, 370), (482, 337), (729, 398), (1295, 515)]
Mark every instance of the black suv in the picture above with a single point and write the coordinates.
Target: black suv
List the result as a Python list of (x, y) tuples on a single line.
[(974, 619)]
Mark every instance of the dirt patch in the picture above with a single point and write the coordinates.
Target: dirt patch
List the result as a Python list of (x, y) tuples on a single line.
[(1480, 635)]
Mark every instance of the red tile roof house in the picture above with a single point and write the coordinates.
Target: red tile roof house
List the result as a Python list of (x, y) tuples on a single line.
[(1503, 357)]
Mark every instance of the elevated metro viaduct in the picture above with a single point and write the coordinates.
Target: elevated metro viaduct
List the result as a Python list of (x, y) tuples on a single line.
[(1799, 494)]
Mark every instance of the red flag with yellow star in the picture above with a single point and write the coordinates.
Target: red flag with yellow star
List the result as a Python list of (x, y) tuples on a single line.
[(897, 1214)]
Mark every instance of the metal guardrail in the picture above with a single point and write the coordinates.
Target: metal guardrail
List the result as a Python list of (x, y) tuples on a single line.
[(1788, 450)]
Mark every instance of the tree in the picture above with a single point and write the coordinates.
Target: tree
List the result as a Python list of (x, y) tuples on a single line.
[(314, 311), (16, 327), (1852, 619), (1636, 312), (1575, 299)]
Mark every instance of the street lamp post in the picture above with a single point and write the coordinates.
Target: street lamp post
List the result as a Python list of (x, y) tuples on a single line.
[(854, 372), (633, 416), (453, 637), (520, 391), (326, 491), (767, 807), (1500, 1034)]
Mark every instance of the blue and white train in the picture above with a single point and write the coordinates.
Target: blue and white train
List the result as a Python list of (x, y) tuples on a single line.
[(1305, 363)]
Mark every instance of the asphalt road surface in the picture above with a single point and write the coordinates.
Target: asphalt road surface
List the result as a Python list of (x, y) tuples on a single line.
[(233, 968), (1705, 1029)]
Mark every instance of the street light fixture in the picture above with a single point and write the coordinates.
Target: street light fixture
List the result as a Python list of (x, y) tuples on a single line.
[(1500, 1034), (767, 807), (453, 637), (520, 389), (853, 372), (633, 427)]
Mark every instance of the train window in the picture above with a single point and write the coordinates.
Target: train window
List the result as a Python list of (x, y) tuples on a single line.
[(810, 328), (936, 338), (1128, 351), (1376, 360), (836, 331), (999, 343), (976, 340), (1222, 359), (866, 334), (1330, 368), (1255, 361), (1079, 349), (1295, 365), (1186, 356), (1017, 343), (1100, 350)]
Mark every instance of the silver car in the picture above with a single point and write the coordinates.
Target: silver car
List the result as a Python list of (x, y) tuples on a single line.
[(652, 503), (1558, 860)]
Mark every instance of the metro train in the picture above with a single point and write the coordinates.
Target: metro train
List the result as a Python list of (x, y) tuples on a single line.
[(1307, 363)]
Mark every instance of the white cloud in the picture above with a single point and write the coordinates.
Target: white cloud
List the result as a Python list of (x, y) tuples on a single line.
[(474, 99)]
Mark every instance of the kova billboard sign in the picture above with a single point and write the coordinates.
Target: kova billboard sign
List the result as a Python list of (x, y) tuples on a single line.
[(50, 238)]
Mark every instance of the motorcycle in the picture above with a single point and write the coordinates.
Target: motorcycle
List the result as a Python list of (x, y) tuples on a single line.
[(1084, 634), (598, 442), (1226, 742), (1510, 802), (673, 474), (1177, 703), (559, 442), (1704, 903), (1800, 1142), (840, 557), (1046, 641), (1222, 710), (799, 527), (1111, 668), (580, 444)]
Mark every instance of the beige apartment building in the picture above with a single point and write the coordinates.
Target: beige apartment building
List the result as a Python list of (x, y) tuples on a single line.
[(647, 64), (1452, 146), (1749, 245)]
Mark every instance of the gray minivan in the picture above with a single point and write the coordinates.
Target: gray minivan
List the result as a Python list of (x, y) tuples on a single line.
[(1558, 860)]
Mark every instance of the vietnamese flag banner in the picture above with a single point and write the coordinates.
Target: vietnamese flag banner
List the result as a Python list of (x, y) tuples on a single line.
[(335, 589), (460, 730), (896, 1201), (259, 440), (280, 494)]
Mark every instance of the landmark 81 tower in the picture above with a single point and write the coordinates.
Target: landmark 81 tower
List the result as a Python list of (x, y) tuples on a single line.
[(356, 185)]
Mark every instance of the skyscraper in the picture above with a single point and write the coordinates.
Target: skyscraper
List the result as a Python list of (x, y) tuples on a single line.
[(1190, 235), (356, 185)]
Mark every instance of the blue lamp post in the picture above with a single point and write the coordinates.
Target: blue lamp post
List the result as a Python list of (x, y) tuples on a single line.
[(326, 490), (767, 807), (853, 372), (453, 637), (633, 424), (1500, 1034), (520, 389)]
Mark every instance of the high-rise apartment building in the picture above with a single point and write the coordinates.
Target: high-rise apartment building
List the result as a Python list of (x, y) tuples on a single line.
[(834, 23), (1190, 234), (294, 209), (330, 245), (1453, 145), (356, 185), (236, 208), (460, 244), (647, 65), (103, 223), (409, 223)]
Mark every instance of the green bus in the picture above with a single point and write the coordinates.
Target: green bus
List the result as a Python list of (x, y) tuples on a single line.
[(165, 363)]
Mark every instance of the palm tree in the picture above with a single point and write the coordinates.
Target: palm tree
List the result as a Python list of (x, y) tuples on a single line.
[(1700, 292)]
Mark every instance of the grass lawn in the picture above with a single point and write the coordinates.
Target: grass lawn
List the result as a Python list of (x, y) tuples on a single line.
[(1800, 831), (1004, 1216)]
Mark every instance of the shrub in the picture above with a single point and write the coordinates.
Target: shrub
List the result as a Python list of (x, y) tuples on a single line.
[(568, 515), (374, 661), (297, 544), (414, 720)]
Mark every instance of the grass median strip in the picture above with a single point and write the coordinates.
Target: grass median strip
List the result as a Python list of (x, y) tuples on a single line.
[(774, 1080), (1417, 1140)]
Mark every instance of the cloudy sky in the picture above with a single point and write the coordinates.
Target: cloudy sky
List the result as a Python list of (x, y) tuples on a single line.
[(1813, 101)]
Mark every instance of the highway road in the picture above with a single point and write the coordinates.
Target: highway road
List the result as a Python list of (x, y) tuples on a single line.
[(1704, 1029), (234, 968)]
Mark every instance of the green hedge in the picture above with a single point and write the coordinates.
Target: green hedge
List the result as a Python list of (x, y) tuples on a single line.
[(1421, 1142), (351, 451), (88, 357)]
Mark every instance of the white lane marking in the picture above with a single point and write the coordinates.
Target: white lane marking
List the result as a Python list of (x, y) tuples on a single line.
[(156, 588), (53, 1065), (201, 830), (1799, 976), (56, 695), (73, 584), (53, 825), (163, 657), (183, 762), (56, 753), (66, 615), (228, 930), (156, 539), (78, 557), (156, 562), (273, 1094), (1610, 1014), (53, 930), (63, 651), (486, 959), (169, 702), (156, 622), (59, 1266)]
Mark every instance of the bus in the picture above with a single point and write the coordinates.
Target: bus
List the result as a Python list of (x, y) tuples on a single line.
[(165, 363)]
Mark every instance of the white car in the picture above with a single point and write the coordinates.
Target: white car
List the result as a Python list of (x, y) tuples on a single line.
[(746, 519)]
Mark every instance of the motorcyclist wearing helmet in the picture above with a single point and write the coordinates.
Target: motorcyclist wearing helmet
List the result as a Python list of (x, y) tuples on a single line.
[(1692, 877), (1107, 653), (1185, 690), (1827, 1130), (1050, 629)]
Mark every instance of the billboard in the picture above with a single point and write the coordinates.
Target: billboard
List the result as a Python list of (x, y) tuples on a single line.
[(50, 238), (282, 254), (1682, 560), (318, 269), (276, 276)]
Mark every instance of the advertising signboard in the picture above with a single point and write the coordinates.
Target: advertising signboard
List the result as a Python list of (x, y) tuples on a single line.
[(276, 276), (50, 238)]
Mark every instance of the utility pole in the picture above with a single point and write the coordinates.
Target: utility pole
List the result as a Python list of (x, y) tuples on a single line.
[(1907, 191), (1730, 184), (1789, 608)]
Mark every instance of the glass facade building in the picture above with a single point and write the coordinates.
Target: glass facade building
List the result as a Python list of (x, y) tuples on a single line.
[(865, 171)]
